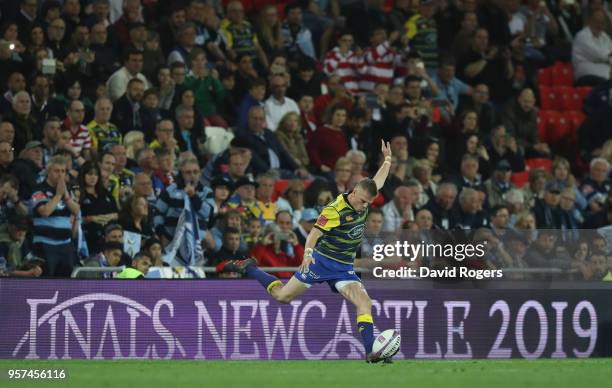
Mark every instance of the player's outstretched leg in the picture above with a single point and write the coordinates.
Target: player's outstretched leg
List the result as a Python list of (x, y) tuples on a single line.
[(249, 268), (357, 295), (283, 293)]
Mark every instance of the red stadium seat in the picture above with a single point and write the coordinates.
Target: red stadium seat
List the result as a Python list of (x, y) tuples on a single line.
[(548, 119), (571, 101), (549, 100), (542, 127), (575, 118), (563, 95), (558, 129), (562, 89), (584, 91), (545, 77), (532, 164), (562, 74), (520, 179), (279, 188)]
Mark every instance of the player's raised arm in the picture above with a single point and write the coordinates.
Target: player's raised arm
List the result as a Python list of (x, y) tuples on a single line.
[(383, 171)]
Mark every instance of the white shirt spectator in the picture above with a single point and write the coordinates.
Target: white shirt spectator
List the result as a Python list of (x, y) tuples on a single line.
[(517, 23), (275, 110), (117, 83), (590, 54), (393, 218)]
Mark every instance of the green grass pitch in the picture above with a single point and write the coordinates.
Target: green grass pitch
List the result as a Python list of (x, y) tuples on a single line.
[(592, 373)]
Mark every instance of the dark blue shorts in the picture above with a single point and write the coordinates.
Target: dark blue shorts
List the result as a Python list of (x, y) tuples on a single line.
[(332, 272)]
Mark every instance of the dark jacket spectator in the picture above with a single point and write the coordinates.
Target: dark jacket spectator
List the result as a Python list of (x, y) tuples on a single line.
[(266, 149)]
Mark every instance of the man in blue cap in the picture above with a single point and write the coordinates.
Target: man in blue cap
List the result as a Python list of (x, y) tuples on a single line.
[(307, 221), (546, 209), (499, 184)]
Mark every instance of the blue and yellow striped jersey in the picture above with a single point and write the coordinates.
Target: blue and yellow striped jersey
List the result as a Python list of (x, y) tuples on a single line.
[(342, 228)]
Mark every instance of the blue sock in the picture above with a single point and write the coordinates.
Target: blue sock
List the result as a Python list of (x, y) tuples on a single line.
[(264, 278), (365, 324)]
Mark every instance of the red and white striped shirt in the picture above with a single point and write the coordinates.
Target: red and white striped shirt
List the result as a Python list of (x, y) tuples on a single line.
[(379, 67), (346, 66), (80, 140)]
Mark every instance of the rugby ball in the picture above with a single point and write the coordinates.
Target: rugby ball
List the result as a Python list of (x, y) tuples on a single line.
[(387, 344)]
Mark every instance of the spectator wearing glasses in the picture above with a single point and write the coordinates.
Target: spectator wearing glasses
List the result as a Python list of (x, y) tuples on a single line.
[(164, 136)]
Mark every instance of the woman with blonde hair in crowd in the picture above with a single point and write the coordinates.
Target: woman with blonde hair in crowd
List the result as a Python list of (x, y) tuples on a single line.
[(134, 141), (526, 226), (606, 151), (561, 173), (269, 30), (342, 174), (290, 137)]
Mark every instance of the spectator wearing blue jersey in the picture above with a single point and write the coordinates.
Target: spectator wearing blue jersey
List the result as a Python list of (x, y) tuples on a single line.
[(53, 210), (171, 202)]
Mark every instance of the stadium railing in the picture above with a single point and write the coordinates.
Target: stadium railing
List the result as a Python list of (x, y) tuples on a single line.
[(195, 271)]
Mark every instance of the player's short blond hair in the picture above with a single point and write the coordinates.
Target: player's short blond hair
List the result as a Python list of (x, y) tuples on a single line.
[(369, 186)]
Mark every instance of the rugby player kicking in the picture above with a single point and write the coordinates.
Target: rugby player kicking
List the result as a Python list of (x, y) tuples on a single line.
[(329, 254)]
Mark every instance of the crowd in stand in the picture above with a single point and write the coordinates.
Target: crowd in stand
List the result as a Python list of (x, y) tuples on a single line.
[(118, 115)]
